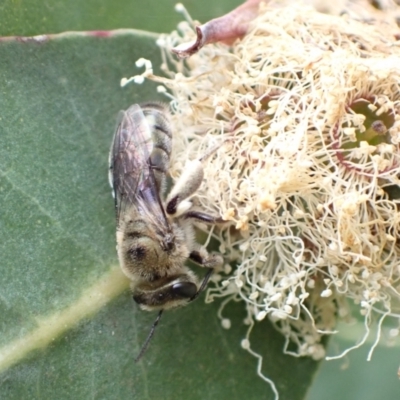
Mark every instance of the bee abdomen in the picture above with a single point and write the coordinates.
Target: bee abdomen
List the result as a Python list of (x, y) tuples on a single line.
[(160, 113), (157, 116)]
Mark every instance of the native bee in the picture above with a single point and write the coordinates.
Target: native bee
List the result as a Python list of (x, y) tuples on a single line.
[(155, 235)]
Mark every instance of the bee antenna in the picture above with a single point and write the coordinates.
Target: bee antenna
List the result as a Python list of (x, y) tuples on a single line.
[(206, 278), (150, 335)]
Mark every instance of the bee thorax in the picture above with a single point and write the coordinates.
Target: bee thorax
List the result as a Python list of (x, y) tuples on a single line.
[(144, 254), (168, 243)]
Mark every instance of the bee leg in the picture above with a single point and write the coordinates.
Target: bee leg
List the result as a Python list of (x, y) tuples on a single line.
[(203, 283), (203, 217), (187, 184), (201, 257)]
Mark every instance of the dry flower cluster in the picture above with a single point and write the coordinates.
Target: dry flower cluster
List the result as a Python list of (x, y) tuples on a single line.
[(307, 110)]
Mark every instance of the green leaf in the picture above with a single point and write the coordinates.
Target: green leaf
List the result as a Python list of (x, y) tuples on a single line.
[(353, 377), (69, 328), (33, 17)]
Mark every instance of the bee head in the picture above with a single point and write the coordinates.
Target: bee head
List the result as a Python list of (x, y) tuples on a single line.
[(175, 292), (166, 293)]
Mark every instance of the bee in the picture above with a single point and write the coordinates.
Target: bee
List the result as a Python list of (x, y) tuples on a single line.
[(155, 234)]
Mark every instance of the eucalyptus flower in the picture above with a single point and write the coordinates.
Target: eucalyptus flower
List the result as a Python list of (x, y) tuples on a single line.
[(306, 109)]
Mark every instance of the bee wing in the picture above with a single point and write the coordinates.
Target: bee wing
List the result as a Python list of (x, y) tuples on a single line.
[(131, 175)]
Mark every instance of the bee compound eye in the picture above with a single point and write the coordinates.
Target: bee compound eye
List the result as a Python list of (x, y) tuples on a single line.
[(184, 289)]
